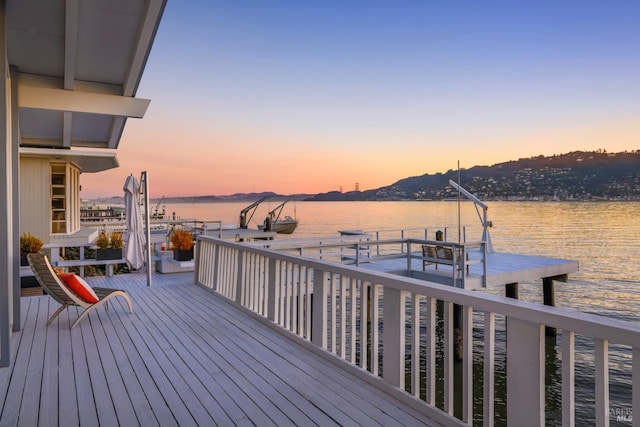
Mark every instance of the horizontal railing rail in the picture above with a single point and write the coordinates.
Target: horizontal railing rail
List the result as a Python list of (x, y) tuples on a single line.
[(358, 249), (442, 233), (407, 331)]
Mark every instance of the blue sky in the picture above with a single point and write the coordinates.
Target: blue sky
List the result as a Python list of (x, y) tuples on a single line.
[(314, 96)]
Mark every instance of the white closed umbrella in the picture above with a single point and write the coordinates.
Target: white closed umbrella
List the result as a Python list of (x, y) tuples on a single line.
[(133, 239)]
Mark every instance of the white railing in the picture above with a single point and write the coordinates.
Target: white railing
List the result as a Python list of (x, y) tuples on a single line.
[(443, 233), (390, 326), (361, 249)]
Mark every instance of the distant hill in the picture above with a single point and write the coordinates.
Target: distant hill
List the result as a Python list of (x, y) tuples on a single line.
[(237, 197), (579, 175)]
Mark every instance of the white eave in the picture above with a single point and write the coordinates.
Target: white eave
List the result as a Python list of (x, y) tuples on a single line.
[(77, 66), (87, 161)]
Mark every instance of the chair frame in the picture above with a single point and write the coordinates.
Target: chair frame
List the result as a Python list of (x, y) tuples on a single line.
[(59, 291)]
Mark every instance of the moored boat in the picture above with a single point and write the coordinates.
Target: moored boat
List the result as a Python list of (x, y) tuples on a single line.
[(282, 226), (273, 222)]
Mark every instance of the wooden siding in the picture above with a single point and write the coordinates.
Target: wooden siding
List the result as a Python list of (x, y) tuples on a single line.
[(34, 197), (185, 356)]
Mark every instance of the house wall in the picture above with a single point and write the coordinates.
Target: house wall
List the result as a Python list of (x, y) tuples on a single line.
[(34, 197)]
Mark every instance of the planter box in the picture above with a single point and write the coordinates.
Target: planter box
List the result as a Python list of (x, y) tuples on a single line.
[(183, 255), (109, 253)]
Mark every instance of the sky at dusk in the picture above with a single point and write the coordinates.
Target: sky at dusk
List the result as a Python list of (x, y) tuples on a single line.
[(312, 96)]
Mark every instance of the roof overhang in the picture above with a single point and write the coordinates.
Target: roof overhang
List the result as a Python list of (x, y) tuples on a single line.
[(87, 161), (78, 65)]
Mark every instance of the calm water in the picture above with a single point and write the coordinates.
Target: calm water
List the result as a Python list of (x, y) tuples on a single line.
[(603, 236)]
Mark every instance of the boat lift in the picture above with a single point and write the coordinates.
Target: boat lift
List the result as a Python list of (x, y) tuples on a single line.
[(273, 216), (484, 219), (273, 222), (249, 210)]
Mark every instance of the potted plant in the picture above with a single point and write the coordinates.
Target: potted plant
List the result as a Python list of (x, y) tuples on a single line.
[(29, 244), (182, 241), (109, 246)]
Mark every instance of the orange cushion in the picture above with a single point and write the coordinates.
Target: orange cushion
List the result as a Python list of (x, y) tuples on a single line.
[(79, 287)]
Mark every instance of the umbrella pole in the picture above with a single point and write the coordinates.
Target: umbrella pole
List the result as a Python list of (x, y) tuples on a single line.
[(147, 224)]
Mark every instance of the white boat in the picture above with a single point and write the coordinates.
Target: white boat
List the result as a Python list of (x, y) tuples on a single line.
[(273, 222), (283, 226)]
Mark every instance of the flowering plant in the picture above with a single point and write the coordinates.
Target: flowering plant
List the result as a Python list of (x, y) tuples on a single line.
[(30, 244), (182, 240)]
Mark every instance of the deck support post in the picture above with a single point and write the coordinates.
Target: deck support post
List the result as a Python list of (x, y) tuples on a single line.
[(8, 260), (549, 298), (511, 290)]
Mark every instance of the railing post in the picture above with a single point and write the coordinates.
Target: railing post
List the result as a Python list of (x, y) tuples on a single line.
[(272, 291), (569, 378), (216, 267), (448, 355), (394, 337), (196, 258), (320, 295), (602, 381), (240, 277), (489, 369), (525, 373), (430, 374), (635, 377), (467, 364)]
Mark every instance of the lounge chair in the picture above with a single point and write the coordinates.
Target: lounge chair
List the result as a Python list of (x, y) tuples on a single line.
[(59, 291)]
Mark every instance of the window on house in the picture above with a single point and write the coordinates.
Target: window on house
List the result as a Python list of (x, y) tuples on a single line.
[(58, 198)]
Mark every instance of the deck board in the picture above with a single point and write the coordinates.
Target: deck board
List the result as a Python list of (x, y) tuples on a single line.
[(184, 357), (187, 337)]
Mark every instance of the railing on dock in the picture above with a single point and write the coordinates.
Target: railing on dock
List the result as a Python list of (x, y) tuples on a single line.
[(444, 233), (402, 329), (359, 249)]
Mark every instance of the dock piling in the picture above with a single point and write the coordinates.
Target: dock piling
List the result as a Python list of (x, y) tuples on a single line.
[(549, 298), (511, 290)]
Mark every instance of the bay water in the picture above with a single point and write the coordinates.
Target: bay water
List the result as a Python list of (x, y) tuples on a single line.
[(604, 237)]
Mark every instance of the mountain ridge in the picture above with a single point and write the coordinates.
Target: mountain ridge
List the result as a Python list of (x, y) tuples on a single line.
[(578, 175)]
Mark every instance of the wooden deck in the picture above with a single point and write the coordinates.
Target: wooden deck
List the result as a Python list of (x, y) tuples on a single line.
[(184, 357)]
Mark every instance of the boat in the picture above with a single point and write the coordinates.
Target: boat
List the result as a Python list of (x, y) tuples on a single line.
[(282, 226), (273, 222)]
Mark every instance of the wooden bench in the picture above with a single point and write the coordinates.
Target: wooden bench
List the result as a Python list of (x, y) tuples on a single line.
[(436, 254)]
